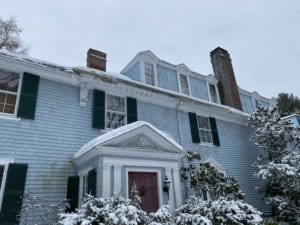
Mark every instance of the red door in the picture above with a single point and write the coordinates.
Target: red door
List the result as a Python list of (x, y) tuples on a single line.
[(146, 184)]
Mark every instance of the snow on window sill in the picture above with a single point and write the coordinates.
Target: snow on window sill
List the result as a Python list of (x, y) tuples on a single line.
[(206, 144), (6, 116)]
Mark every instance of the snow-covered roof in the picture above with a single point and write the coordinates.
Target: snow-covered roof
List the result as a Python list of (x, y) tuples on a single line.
[(24, 58), (117, 77), (109, 75), (104, 138), (121, 77), (290, 116)]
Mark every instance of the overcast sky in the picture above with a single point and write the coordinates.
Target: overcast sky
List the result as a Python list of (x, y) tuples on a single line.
[(262, 36)]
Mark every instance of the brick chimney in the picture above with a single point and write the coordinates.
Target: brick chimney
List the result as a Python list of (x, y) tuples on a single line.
[(96, 59), (223, 71)]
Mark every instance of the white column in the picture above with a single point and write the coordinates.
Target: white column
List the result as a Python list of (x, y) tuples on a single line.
[(177, 186), (106, 181), (171, 191), (117, 179)]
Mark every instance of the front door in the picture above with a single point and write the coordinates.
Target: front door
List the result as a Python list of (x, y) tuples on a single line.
[(146, 184)]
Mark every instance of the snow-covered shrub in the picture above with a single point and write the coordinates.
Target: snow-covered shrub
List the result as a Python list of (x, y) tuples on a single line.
[(191, 219), (278, 164), (204, 177), (218, 212), (161, 217), (31, 204), (36, 210), (109, 211), (135, 198)]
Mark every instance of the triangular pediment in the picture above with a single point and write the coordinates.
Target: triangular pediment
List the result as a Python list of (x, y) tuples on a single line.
[(140, 141), (137, 135)]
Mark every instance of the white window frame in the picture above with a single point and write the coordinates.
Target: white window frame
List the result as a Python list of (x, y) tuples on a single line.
[(154, 73), (188, 83), (208, 130), (4, 162), (125, 112), (209, 94), (18, 94)]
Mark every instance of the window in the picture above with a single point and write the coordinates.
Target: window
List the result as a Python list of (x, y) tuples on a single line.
[(184, 85), (213, 93), (115, 112), (9, 86), (84, 187), (204, 129), (149, 74)]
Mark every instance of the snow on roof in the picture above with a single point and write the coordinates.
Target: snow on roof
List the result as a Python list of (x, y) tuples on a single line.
[(27, 59), (116, 77), (290, 116), (96, 72), (102, 139)]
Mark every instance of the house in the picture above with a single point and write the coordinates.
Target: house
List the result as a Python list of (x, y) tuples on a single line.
[(294, 119), (69, 131)]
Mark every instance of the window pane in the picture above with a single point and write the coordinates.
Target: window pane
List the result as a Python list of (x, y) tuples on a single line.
[(213, 93), (114, 120), (9, 81), (203, 122), (9, 109), (1, 174), (7, 103), (149, 74), (2, 98), (11, 99), (205, 136), (184, 84), (115, 103)]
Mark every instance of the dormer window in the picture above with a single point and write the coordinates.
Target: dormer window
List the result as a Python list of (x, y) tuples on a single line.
[(149, 74), (213, 93), (184, 84)]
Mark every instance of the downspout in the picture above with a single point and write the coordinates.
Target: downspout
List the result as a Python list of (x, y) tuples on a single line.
[(180, 142)]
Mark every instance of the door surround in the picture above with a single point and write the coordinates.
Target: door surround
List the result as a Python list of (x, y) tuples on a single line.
[(147, 170)]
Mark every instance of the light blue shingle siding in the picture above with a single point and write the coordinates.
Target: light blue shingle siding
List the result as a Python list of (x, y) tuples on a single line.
[(236, 153), (167, 78), (61, 127), (47, 144), (247, 103), (199, 88), (134, 72), (264, 103)]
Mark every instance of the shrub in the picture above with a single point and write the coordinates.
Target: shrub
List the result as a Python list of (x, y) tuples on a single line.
[(108, 211), (218, 212)]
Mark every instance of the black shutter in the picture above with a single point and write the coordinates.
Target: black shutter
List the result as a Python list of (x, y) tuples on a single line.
[(194, 127), (131, 110), (92, 179), (99, 109), (214, 131), (28, 96), (73, 192), (13, 193)]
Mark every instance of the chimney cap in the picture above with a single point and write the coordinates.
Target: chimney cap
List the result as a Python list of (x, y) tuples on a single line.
[(96, 59), (218, 49), (97, 53)]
